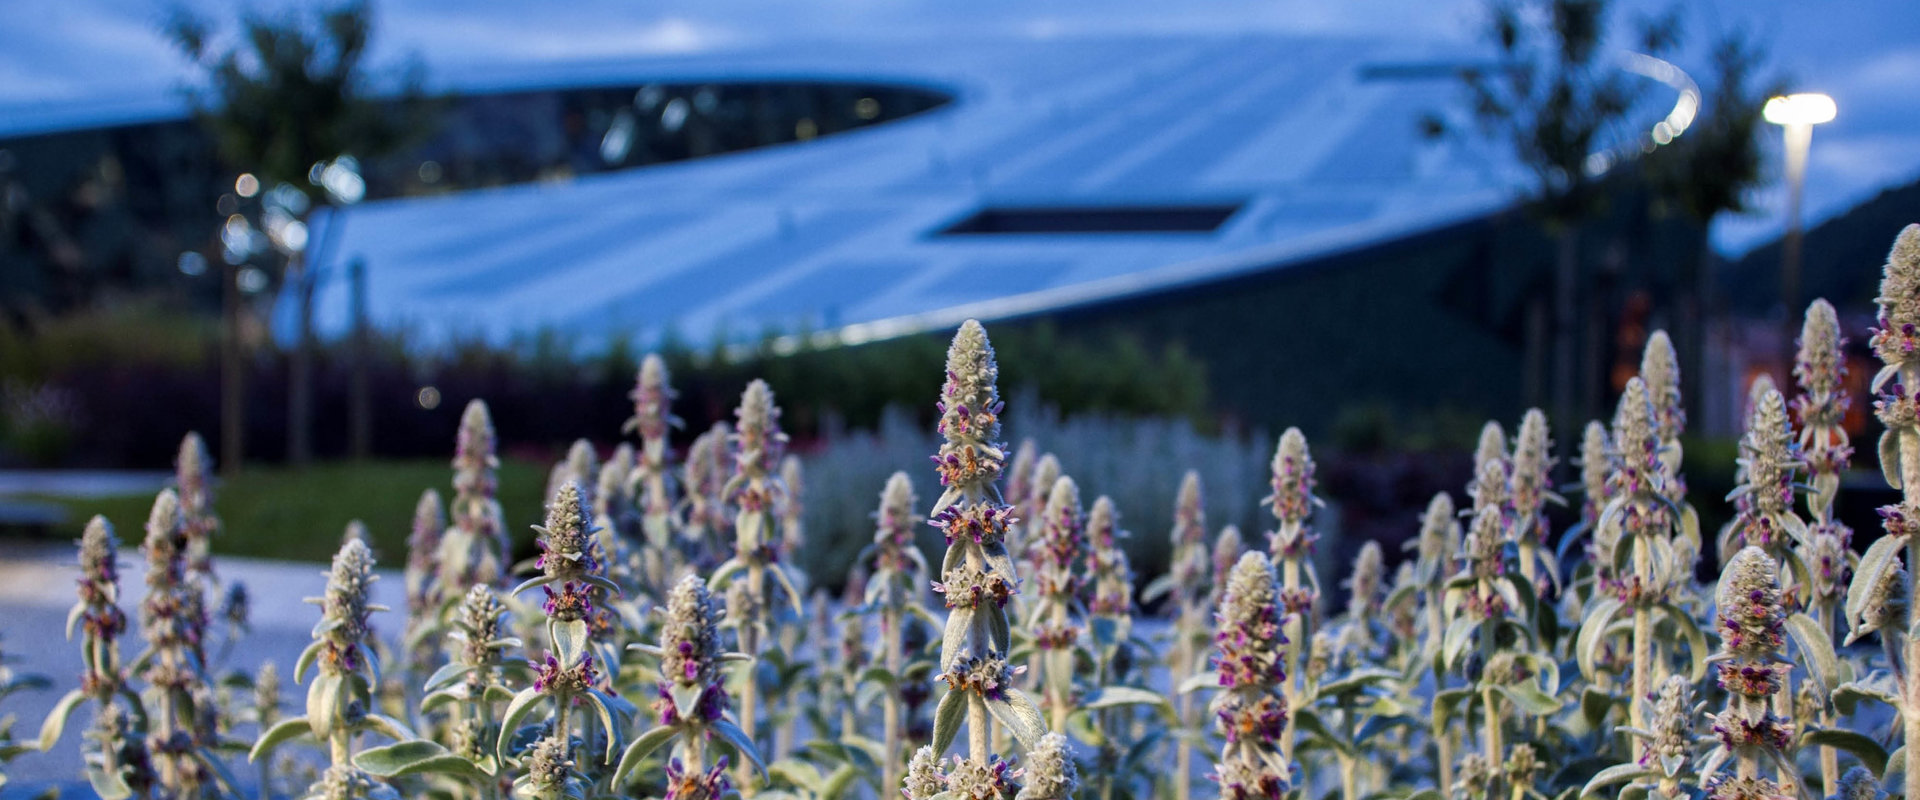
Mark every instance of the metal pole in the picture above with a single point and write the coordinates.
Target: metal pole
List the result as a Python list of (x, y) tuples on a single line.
[(1799, 139)]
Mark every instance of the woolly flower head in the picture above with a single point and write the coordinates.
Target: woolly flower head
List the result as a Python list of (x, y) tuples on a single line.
[(1671, 740), (1491, 446), (163, 543), (1752, 617), (1768, 455), (1046, 470), (1227, 549), (1062, 537), (1439, 533), (99, 559), (1051, 774), (1189, 514), (1112, 578), (689, 644), (1633, 432), (1898, 333), (651, 396), (1819, 366), (1859, 784), (549, 766), (1292, 498), (893, 533), (1250, 636), (1531, 479), (970, 414), (1369, 573), (473, 454), (1020, 470), (972, 780), (923, 779), (423, 542), (347, 782), (1593, 468), (757, 423), (483, 622), (566, 536), (1490, 468), (1661, 370), (344, 606)]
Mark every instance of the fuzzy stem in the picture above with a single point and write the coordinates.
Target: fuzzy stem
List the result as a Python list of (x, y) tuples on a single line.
[(1296, 628), (979, 737), (1642, 644), (749, 693), (1909, 688), (890, 776)]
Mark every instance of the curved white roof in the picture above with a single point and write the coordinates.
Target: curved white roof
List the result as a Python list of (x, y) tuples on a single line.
[(840, 232)]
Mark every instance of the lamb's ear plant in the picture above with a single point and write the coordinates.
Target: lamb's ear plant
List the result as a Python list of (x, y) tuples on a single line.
[(475, 548), (1827, 551), (693, 706), (705, 527), (340, 696), (1124, 762), (570, 576), (1251, 710), (894, 594), (1879, 599), (179, 713), (651, 481), (1291, 544), (114, 755), (471, 685), (978, 576), (1529, 492), (1751, 736), (1187, 586), (1646, 568), (755, 492), (425, 593), (1056, 614)]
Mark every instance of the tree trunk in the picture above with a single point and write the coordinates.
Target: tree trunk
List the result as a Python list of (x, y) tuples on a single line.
[(359, 400), (300, 370), (233, 379), (1566, 270)]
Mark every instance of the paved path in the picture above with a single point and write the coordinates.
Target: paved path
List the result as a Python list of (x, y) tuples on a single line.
[(81, 483)]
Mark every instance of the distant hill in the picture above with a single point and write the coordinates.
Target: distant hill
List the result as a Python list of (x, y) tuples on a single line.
[(1842, 257)]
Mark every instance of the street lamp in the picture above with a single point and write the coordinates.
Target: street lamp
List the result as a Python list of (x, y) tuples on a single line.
[(1797, 113)]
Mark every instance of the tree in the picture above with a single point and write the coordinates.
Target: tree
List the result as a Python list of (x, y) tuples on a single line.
[(1552, 97), (290, 101), (1711, 170)]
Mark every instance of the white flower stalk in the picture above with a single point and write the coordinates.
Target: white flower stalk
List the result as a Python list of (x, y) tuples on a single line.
[(572, 579), (193, 473), (1660, 368), (977, 574), (1021, 494), (1364, 585), (1879, 597), (1820, 369), (1753, 637), (115, 760), (1030, 508), (652, 482), (1529, 490), (1187, 585), (1669, 744), (1252, 709), (1055, 617), (693, 705), (340, 699), (476, 546), (1595, 461), (894, 593), (477, 643), (173, 621), (1228, 546), (1489, 488), (425, 594), (1764, 500), (1291, 543), (755, 493), (793, 509), (706, 527)]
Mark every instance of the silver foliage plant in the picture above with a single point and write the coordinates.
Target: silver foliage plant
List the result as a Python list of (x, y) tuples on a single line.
[(649, 650)]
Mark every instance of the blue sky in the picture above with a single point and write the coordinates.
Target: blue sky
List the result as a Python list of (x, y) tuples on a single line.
[(80, 59)]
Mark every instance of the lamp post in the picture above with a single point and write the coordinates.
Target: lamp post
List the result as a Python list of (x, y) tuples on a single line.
[(1797, 114)]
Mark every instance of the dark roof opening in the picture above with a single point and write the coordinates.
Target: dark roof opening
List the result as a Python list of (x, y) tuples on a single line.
[(1204, 218)]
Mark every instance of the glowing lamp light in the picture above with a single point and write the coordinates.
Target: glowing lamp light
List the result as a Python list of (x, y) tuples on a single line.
[(1799, 109)]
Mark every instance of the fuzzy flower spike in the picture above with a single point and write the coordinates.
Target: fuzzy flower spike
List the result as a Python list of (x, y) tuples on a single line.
[(476, 547), (1251, 711), (977, 575)]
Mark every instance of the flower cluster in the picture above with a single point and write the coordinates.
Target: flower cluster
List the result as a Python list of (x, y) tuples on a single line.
[(193, 482), (696, 784), (689, 642), (1056, 564), (1107, 564), (1050, 771), (1752, 634), (476, 547), (1251, 711), (1768, 461), (344, 611), (1292, 500), (1820, 368), (992, 780), (98, 611), (1530, 484), (566, 557), (1897, 335)]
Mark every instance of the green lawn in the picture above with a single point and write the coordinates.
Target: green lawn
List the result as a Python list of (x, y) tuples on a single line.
[(300, 514)]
